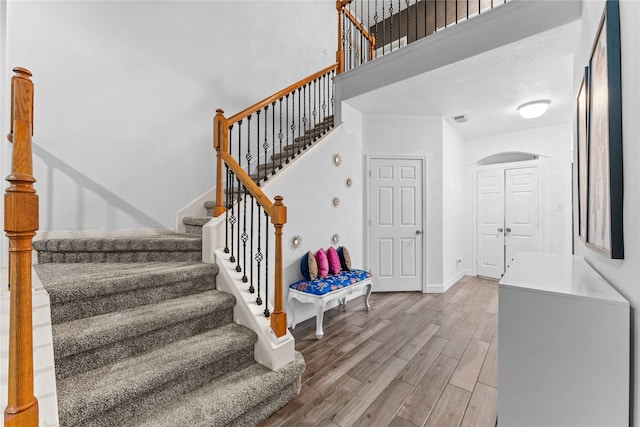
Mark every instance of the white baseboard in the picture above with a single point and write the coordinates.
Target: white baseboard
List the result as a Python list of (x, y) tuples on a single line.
[(442, 288)]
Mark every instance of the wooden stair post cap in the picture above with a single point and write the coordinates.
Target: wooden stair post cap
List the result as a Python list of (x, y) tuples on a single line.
[(23, 72)]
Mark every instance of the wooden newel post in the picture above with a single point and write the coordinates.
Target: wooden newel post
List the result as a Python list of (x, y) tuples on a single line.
[(279, 316), (20, 225), (221, 143)]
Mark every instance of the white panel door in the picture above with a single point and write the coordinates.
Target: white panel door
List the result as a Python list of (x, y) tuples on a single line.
[(521, 211), (395, 228), (490, 220)]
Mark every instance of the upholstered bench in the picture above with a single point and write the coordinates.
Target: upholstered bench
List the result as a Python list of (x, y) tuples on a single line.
[(321, 291)]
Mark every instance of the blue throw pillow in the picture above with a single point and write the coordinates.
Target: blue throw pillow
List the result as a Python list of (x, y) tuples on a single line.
[(309, 266), (345, 258)]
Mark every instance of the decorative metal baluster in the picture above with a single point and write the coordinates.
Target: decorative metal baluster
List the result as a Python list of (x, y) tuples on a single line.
[(391, 26), (408, 20), (244, 237), (467, 9), (226, 212), (257, 179), (426, 4), (273, 137), (300, 139), (446, 20), (362, 56), (251, 288), (293, 126), (344, 38), (369, 30), (350, 36), (232, 221), (457, 11), (384, 31), (416, 19), (333, 99), (259, 256), (240, 185), (315, 100), (304, 117), (266, 265), (286, 125), (249, 156), (265, 145)]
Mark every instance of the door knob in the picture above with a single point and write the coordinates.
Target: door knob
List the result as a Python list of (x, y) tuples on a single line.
[(508, 229), (500, 230), (418, 231)]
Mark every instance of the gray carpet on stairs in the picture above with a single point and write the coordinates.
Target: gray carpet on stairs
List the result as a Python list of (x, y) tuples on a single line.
[(152, 342)]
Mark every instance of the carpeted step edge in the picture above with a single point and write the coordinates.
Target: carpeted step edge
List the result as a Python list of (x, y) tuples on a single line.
[(98, 281), (97, 331), (85, 396), (238, 398)]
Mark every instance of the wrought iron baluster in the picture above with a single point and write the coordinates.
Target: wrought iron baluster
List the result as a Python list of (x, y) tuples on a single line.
[(240, 185), (408, 19), (324, 97), (273, 137), (467, 9), (280, 135), (266, 265), (375, 22), (384, 33), (391, 26), (445, 14), (244, 237), (315, 100), (457, 11), (344, 38), (226, 211), (300, 139), (362, 44), (293, 126), (331, 87), (425, 3), (287, 124), (257, 180), (251, 288), (265, 145), (232, 220), (259, 256), (416, 19), (249, 156), (304, 116)]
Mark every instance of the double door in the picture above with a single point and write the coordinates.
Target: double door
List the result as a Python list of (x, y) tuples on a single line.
[(507, 217)]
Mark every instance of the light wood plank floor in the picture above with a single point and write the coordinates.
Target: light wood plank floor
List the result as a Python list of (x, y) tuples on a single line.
[(414, 360)]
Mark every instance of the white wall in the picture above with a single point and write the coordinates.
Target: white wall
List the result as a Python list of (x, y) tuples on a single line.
[(391, 135), (126, 92), (308, 186), (554, 144), (456, 216), (622, 274)]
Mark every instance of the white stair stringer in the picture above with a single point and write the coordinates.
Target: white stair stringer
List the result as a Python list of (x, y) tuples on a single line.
[(270, 351)]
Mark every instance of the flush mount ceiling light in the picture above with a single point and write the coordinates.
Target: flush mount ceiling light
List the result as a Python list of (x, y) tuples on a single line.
[(534, 109)]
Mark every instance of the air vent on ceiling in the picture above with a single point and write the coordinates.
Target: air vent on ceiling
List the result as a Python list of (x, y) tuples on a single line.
[(461, 119)]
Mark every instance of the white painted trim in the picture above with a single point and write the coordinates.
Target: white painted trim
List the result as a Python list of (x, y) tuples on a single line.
[(539, 163), (452, 281), (44, 381), (270, 351), (367, 218)]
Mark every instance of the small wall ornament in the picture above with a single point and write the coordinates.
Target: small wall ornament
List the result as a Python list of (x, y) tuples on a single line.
[(295, 242), (335, 202), (335, 239), (337, 159), (349, 182)]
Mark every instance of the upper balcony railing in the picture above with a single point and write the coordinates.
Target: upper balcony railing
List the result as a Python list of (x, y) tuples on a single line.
[(369, 29)]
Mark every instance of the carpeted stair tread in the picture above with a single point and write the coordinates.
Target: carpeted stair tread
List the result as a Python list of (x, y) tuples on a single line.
[(97, 331), (67, 282), (160, 247), (230, 397), (86, 395), (196, 220)]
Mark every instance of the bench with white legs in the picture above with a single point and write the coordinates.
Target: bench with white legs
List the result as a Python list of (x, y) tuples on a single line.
[(321, 291)]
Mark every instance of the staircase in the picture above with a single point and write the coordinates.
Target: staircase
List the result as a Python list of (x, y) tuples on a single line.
[(193, 225), (142, 337)]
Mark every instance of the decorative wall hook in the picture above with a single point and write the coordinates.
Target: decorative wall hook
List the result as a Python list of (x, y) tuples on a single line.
[(337, 159), (335, 202), (349, 182), (335, 239)]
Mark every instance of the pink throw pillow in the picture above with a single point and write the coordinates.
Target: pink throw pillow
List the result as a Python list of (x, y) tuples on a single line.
[(323, 263), (334, 261)]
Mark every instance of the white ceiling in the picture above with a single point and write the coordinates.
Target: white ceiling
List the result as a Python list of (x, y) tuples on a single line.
[(489, 87)]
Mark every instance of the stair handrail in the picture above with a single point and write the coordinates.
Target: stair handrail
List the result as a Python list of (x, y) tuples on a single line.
[(20, 225), (276, 210), (341, 7), (270, 99)]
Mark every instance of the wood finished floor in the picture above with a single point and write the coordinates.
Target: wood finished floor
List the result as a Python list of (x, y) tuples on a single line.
[(414, 360)]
